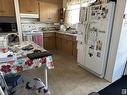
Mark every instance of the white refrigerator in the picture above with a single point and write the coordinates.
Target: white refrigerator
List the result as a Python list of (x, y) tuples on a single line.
[(94, 34)]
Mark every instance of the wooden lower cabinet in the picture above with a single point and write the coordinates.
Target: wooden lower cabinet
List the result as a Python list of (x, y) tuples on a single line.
[(58, 43), (66, 44), (74, 49), (49, 41), (62, 42)]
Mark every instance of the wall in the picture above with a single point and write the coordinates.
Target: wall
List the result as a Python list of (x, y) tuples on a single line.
[(114, 67)]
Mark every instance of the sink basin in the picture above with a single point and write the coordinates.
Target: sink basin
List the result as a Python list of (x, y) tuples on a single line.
[(72, 31)]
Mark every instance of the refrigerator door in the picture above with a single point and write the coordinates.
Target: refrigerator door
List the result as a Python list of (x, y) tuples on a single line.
[(81, 29), (83, 14), (81, 32), (81, 53), (81, 26), (98, 37)]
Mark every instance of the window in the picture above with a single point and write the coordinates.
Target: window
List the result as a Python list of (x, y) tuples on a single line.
[(72, 14), (85, 3), (73, 10)]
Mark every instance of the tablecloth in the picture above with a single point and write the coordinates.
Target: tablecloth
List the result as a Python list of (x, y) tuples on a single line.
[(21, 62)]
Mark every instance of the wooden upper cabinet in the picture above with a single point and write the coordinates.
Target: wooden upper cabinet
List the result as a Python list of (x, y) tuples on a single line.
[(7, 8), (49, 10), (29, 6), (44, 11)]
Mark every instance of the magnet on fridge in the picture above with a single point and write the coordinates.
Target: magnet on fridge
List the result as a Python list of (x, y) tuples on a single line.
[(98, 54), (91, 51), (90, 54), (102, 31), (99, 45), (91, 47)]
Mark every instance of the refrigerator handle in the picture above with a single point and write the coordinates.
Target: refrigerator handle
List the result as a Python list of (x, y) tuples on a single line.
[(86, 33)]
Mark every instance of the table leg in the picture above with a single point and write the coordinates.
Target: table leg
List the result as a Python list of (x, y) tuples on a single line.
[(46, 76)]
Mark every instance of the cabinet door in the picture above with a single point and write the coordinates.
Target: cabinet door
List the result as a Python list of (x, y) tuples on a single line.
[(75, 49), (45, 42), (67, 46), (58, 43), (28, 6), (49, 11), (7, 8), (1, 7), (53, 12), (49, 43), (44, 11)]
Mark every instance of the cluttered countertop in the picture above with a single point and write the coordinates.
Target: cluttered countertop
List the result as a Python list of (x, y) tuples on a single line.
[(61, 32)]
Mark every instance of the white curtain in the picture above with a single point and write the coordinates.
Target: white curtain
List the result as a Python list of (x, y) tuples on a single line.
[(72, 12)]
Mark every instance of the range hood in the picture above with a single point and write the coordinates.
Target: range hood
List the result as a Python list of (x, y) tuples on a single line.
[(22, 15)]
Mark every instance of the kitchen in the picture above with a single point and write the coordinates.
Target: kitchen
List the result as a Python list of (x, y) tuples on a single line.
[(58, 27)]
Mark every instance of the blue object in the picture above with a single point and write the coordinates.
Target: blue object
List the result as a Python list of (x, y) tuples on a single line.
[(14, 80)]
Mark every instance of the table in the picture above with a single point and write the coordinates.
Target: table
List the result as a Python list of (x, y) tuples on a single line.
[(21, 62)]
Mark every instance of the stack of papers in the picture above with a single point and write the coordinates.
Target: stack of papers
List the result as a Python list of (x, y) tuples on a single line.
[(4, 57)]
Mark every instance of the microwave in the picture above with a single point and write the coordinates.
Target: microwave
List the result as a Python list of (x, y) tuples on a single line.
[(8, 27)]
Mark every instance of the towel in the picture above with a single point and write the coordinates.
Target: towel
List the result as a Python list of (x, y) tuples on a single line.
[(38, 39)]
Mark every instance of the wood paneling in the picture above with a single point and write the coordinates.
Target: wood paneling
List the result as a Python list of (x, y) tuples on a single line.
[(58, 43), (67, 44), (29, 6), (49, 41), (74, 49), (7, 8)]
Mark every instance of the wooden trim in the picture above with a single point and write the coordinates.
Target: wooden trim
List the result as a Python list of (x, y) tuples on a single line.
[(16, 4)]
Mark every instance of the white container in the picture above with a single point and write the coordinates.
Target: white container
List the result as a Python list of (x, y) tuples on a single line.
[(3, 42)]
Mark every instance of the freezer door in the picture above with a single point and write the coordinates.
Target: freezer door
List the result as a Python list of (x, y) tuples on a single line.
[(81, 32), (83, 15), (99, 33)]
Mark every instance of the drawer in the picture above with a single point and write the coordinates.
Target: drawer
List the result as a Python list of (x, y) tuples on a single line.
[(49, 34), (65, 36)]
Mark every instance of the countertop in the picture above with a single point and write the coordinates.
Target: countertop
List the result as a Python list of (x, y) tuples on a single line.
[(66, 33)]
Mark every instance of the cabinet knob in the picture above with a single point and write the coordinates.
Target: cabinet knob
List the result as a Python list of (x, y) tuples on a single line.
[(29, 11)]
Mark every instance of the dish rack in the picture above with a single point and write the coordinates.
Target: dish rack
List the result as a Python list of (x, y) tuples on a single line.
[(34, 36), (3, 42)]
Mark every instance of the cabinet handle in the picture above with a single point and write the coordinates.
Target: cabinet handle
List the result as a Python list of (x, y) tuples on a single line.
[(30, 11)]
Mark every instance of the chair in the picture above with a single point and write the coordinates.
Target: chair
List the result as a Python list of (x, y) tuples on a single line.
[(12, 39)]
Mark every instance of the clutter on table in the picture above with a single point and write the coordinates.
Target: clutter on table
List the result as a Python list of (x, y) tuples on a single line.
[(25, 57)]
